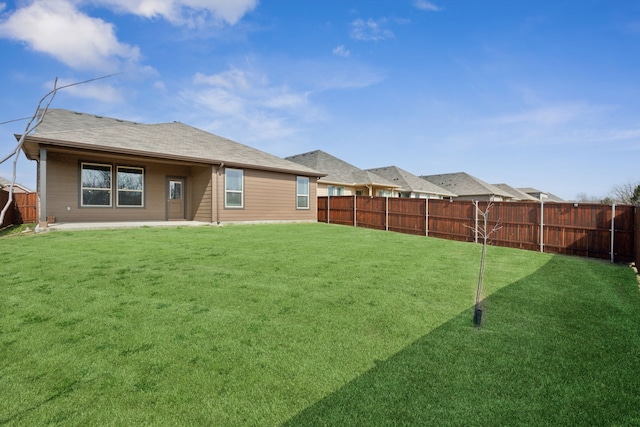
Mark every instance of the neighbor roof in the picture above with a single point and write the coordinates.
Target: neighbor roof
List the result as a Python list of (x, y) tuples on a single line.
[(535, 193), (338, 171), (464, 184), (410, 182), (5, 183), (517, 194), (175, 141)]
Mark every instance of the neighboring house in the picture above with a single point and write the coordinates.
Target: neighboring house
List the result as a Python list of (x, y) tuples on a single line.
[(93, 168), (5, 184), (344, 179), (518, 195), (468, 187), (541, 195), (412, 186)]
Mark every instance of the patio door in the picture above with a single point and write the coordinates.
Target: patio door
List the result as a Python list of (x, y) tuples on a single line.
[(175, 198)]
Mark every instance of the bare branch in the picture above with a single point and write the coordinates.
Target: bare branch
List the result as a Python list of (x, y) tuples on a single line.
[(38, 117)]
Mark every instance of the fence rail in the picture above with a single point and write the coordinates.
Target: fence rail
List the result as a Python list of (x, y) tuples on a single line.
[(589, 230)]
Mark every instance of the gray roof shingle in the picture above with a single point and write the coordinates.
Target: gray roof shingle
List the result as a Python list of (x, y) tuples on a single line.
[(165, 140)]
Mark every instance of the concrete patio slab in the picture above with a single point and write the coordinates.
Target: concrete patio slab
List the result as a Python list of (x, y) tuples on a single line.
[(115, 225)]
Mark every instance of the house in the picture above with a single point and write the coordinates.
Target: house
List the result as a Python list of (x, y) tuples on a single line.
[(518, 195), (94, 168), (412, 186), (468, 187), (344, 179), (541, 195), (5, 184)]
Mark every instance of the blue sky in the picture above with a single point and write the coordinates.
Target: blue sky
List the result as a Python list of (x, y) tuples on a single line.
[(542, 94)]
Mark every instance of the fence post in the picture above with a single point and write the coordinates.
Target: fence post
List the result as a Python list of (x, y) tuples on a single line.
[(541, 225), (475, 203), (636, 235), (613, 230), (355, 210), (426, 214), (328, 209), (386, 214)]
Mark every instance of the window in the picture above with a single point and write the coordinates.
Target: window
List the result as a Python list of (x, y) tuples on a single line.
[(175, 190), (130, 186), (335, 191), (96, 185), (303, 192), (233, 188), (384, 193)]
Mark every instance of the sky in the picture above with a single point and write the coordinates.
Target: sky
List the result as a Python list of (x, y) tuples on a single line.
[(542, 94)]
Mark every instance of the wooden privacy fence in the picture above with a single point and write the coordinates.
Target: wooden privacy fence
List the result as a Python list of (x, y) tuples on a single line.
[(22, 209), (589, 230)]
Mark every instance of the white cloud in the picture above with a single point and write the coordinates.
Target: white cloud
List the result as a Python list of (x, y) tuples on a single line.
[(185, 12), (426, 5), (246, 101), (341, 51), (97, 91), (45, 27), (233, 79), (370, 30), (552, 115)]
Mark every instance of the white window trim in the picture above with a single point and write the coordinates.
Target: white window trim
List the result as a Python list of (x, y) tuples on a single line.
[(124, 189), (307, 195), (226, 191), (109, 190)]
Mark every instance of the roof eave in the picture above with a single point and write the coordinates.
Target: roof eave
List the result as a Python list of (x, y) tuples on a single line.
[(163, 156)]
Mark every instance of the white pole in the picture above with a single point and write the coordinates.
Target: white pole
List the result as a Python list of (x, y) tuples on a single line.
[(476, 232), (355, 210), (541, 225), (613, 230), (386, 214), (426, 210)]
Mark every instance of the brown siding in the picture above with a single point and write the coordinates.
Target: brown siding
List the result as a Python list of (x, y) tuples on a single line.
[(201, 185), (269, 196), (63, 186)]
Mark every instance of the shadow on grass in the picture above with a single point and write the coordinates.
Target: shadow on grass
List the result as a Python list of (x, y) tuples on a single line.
[(548, 353)]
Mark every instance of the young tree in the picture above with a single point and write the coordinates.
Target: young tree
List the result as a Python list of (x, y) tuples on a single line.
[(485, 233)]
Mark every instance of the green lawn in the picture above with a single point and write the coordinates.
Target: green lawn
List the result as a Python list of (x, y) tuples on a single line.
[(309, 324)]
